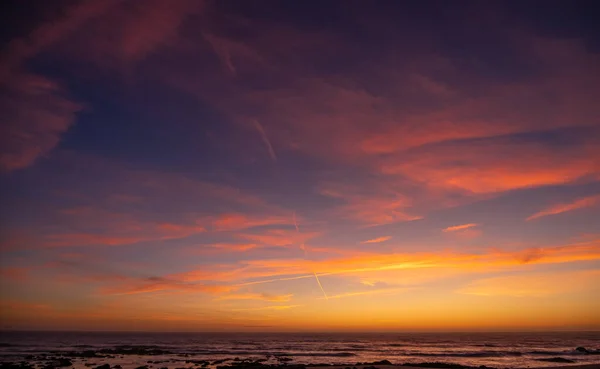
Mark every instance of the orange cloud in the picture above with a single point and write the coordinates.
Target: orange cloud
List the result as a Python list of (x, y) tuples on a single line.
[(236, 221), (378, 239), (15, 273), (370, 292), (257, 296), (384, 206), (279, 237), (533, 285), (286, 269), (129, 234), (563, 208), (165, 285), (272, 307), (459, 227), (491, 167), (235, 246)]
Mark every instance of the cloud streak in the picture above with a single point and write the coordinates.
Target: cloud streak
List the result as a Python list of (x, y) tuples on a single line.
[(459, 227), (581, 203), (378, 239)]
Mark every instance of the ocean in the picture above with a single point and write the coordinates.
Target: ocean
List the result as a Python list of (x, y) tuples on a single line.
[(179, 350)]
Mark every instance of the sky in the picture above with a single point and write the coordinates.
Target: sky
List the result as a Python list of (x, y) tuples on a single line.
[(299, 165)]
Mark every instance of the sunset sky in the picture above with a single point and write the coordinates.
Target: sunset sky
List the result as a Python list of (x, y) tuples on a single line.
[(299, 165)]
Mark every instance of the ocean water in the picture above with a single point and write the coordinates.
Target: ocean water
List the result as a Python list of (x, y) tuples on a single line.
[(501, 350)]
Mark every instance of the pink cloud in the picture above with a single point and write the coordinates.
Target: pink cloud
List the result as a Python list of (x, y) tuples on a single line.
[(378, 239), (35, 115), (459, 227), (563, 208)]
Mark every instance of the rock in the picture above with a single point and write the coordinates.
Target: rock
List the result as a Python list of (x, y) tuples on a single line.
[(103, 366), (21, 365), (62, 362), (135, 350), (142, 367), (382, 362), (557, 360), (117, 367), (437, 365), (582, 350)]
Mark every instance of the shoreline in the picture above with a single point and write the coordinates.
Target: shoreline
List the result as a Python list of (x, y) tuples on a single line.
[(66, 362)]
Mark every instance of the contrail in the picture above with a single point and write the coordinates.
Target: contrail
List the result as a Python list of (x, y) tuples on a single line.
[(265, 139), (306, 257)]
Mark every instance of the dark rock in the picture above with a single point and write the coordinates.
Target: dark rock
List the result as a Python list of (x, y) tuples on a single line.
[(103, 366), (382, 362), (62, 362), (135, 350), (21, 365), (582, 350), (557, 360), (437, 365), (164, 367), (142, 367), (117, 367)]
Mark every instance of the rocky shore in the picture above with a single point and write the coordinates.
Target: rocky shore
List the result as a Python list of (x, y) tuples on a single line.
[(164, 359)]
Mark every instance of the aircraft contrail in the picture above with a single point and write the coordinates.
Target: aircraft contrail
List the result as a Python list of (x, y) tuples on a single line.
[(265, 139), (306, 257)]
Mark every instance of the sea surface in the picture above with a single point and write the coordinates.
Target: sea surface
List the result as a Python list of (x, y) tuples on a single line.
[(500, 350)]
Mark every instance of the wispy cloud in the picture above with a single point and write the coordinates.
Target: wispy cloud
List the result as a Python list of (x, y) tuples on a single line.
[(378, 239), (563, 208), (533, 285), (257, 296), (272, 307), (36, 114), (370, 292), (459, 227)]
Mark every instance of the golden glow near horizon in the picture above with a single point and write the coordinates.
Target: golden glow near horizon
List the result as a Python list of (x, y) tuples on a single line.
[(210, 170)]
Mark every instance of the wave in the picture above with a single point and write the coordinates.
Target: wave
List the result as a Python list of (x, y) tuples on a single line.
[(473, 354), (273, 353)]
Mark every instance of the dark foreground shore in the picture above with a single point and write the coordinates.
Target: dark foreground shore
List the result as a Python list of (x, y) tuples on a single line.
[(115, 360), (155, 357)]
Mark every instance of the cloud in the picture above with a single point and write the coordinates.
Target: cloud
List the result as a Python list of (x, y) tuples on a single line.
[(49, 33), (272, 307), (459, 227), (533, 285), (257, 296), (372, 203), (563, 208), (237, 221), (35, 115), (279, 237), (378, 239), (270, 270), (15, 273), (390, 291), (159, 284)]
